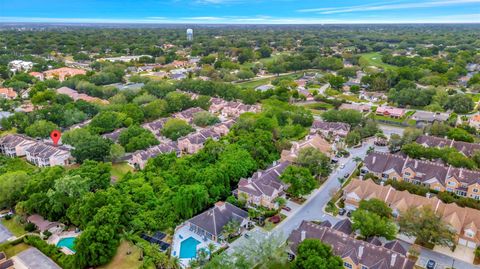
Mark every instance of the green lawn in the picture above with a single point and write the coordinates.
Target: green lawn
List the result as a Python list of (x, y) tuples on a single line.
[(351, 98), (259, 82), (375, 59), (123, 261), (14, 227), (120, 169), (475, 96), (319, 106), (14, 250)]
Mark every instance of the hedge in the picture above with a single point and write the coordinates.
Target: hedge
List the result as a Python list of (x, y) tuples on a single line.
[(52, 251)]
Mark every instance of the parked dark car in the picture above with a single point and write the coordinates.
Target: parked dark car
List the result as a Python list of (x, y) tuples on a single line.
[(246, 235), (342, 211), (286, 208), (346, 175), (431, 264), (349, 214)]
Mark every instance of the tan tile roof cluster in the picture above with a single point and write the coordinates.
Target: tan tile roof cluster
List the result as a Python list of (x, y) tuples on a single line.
[(80, 96), (8, 93), (313, 141), (64, 72), (460, 218)]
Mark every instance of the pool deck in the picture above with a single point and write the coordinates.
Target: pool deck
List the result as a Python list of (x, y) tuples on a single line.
[(183, 233), (53, 240)]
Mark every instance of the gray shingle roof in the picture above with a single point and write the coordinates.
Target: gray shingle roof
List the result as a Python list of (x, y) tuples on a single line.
[(343, 245), (214, 219), (264, 182)]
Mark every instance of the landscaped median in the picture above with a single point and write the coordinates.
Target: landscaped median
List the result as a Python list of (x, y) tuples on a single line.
[(336, 202)]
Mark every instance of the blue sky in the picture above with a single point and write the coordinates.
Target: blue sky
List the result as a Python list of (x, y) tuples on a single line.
[(241, 11)]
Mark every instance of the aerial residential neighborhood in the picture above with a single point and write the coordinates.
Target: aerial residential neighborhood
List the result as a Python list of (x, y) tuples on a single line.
[(218, 134)]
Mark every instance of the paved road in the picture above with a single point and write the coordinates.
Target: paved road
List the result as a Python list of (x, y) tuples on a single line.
[(312, 209), (442, 260), (323, 89), (4, 234)]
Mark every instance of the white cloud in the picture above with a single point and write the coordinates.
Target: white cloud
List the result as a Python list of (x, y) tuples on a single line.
[(260, 19), (390, 6)]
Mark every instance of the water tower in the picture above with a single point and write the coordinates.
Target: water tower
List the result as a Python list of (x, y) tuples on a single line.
[(189, 34)]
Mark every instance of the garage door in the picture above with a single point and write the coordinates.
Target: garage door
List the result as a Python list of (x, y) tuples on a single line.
[(462, 242)]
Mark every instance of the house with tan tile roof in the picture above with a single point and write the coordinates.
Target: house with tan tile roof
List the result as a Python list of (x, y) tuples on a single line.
[(393, 112), (80, 96), (311, 141), (475, 121), (464, 220), (63, 73), (8, 93)]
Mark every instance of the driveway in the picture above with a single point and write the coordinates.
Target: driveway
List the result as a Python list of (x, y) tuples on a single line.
[(293, 206), (5, 234)]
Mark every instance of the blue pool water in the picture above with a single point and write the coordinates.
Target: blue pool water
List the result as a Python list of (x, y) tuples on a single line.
[(68, 242), (188, 248)]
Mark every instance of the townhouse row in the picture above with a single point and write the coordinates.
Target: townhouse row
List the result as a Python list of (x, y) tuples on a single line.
[(189, 144), (463, 220), (436, 176), (36, 152), (355, 253)]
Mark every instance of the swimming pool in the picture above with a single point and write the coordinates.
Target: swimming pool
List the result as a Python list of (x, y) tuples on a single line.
[(188, 248), (68, 242)]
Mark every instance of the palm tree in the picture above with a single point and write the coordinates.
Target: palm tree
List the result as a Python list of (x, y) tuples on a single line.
[(174, 263), (128, 236), (357, 159), (232, 227)]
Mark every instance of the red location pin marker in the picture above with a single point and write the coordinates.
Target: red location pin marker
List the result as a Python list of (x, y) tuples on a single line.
[(55, 135)]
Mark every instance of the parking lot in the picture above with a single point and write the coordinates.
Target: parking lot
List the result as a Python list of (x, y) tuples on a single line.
[(33, 258)]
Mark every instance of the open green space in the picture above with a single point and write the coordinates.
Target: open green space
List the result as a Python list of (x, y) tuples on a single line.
[(120, 169), (122, 260), (14, 227), (263, 81), (14, 250), (375, 59)]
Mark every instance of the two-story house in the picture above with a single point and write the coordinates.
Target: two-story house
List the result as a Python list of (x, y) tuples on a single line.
[(355, 254), (464, 221), (15, 145), (434, 175), (42, 154), (330, 129), (263, 187)]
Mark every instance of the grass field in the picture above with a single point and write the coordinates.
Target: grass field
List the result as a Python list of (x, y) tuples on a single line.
[(123, 261), (14, 250), (375, 59), (120, 169), (263, 81), (14, 227)]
